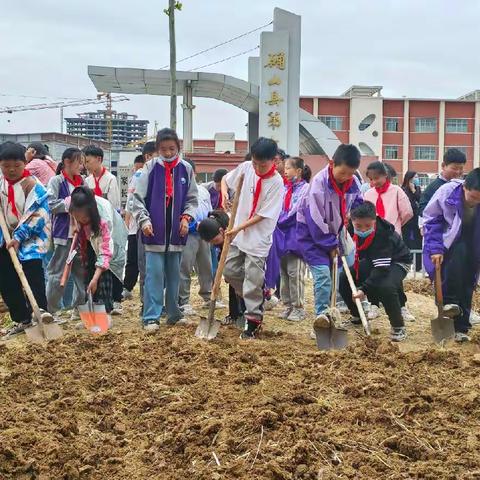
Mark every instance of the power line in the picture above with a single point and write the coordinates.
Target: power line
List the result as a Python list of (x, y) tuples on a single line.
[(34, 96), (220, 44), (225, 59)]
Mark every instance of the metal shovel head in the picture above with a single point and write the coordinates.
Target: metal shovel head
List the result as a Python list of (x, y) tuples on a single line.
[(45, 332), (95, 318), (322, 327), (208, 327), (443, 328), (339, 338)]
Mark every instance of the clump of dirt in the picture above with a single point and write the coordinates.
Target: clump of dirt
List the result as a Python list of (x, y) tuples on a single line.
[(171, 406)]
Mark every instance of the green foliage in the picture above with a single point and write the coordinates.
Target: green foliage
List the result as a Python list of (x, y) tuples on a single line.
[(178, 6)]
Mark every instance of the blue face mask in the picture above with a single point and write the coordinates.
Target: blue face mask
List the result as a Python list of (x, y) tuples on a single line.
[(364, 234), (416, 182)]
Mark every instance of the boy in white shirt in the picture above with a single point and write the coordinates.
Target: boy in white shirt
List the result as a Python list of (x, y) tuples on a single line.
[(258, 211)]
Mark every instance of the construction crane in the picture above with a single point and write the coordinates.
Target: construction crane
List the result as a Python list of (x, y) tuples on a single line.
[(145, 139), (101, 98)]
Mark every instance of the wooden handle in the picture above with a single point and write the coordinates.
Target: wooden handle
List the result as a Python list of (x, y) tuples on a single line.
[(68, 266), (18, 268), (226, 240), (333, 297), (438, 284), (358, 303)]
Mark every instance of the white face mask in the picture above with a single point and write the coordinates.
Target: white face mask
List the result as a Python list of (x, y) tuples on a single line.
[(169, 159)]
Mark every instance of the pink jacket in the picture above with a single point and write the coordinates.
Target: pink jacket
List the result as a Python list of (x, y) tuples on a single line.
[(44, 170), (398, 210)]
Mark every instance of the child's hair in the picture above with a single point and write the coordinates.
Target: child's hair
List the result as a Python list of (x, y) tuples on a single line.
[(391, 172), (364, 210), (93, 151), (248, 157), (378, 167), (12, 151), (149, 148), (347, 154), (298, 162), (84, 199), (219, 174), (454, 155), (192, 164), (408, 176), (167, 134), (139, 159), (472, 180), (282, 154), (210, 227), (71, 153), (40, 150), (264, 149)]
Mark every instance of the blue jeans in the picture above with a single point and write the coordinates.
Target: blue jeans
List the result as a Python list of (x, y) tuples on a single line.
[(162, 281), (322, 286), (214, 254)]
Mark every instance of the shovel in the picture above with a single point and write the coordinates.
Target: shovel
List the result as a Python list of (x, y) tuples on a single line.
[(68, 265), (208, 327), (94, 317), (442, 326), (331, 337), (44, 330), (358, 303)]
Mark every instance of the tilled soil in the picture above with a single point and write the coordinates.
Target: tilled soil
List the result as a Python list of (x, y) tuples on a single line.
[(169, 406)]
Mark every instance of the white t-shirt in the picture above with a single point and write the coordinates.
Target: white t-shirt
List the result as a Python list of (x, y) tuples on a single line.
[(257, 239)]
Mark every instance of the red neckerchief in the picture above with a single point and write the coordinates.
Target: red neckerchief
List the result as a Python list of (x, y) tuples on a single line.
[(76, 181), (285, 180), (380, 206), (97, 190), (258, 187), (11, 191), (169, 166), (360, 248), (288, 196), (341, 193)]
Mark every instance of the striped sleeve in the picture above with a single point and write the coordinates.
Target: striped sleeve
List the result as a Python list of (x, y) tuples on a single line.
[(382, 262)]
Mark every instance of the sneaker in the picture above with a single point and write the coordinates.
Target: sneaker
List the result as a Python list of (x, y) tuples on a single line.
[(16, 329), (342, 307), (355, 320), (366, 305), (117, 309), (228, 320), (285, 313), (151, 327), (271, 303), (407, 316), (461, 337), (373, 313), (297, 315), (246, 335), (59, 320), (322, 321), (188, 310), (127, 294), (474, 318), (398, 334), (220, 304), (252, 326), (183, 322), (75, 316)]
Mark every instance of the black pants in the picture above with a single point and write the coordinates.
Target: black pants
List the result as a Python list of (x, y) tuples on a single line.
[(236, 305), (12, 291), (104, 293), (458, 282), (131, 268), (389, 291)]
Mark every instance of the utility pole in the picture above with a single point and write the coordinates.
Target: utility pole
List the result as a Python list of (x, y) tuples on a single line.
[(172, 5)]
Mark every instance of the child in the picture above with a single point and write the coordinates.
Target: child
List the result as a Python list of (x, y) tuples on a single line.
[(292, 266), (102, 237), (59, 192), (323, 215), (25, 208), (131, 268), (104, 184), (452, 239), (149, 151), (196, 254), (40, 165), (453, 163), (214, 188), (391, 201), (164, 203), (258, 211), (382, 261)]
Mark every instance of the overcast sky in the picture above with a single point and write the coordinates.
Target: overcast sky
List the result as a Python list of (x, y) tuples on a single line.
[(416, 48)]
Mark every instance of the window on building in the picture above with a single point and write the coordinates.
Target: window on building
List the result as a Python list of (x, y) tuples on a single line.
[(425, 179), (392, 124), (204, 177), (425, 153), (334, 123), (456, 125), (391, 152), (426, 125)]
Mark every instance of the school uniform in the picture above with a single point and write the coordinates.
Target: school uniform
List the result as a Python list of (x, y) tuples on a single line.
[(452, 229), (245, 264), (25, 208), (165, 191), (381, 264), (59, 191), (321, 216)]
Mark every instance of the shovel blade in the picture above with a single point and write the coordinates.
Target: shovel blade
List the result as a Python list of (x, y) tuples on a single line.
[(322, 334), (443, 328), (202, 329), (96, 320), (35, 334), (339, 338)]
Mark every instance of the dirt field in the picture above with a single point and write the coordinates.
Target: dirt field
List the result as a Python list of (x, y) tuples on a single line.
[(168, 406)]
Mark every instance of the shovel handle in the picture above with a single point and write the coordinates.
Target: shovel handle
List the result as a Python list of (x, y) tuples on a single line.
[(333, 297), (226, 241), (19, 269), (438, 284), (358, 303), (68, 265)]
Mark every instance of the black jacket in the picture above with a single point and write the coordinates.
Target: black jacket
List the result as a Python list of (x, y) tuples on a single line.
[(386, 249), (429, 192)]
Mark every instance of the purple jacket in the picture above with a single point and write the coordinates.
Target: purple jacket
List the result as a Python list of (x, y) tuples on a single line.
[(319, 219), (149, 203), (442, 223)]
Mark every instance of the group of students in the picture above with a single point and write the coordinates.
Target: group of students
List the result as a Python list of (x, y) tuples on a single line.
[(170, 226)]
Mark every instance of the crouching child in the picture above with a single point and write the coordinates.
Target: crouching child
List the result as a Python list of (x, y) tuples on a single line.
[(382, 261)]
